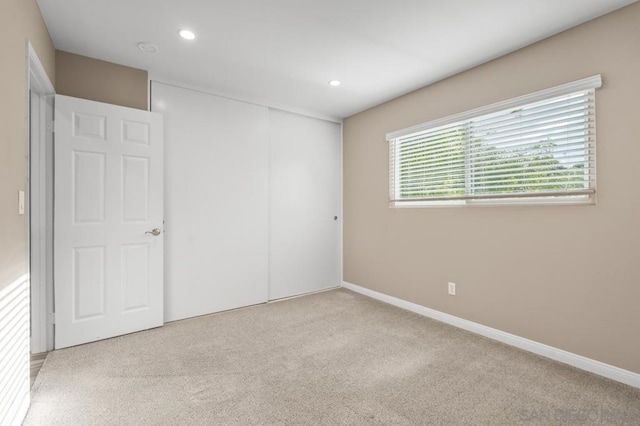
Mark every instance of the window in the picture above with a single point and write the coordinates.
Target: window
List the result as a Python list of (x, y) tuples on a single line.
[(538, 147)]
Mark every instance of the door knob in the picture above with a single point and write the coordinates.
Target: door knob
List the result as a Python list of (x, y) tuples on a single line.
[(155, 232)]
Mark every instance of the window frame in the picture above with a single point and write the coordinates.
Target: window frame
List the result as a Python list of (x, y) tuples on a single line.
[(583, 85)]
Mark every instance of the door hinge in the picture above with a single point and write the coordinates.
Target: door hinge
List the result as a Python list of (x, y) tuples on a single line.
[(51, 126), (52, 318)]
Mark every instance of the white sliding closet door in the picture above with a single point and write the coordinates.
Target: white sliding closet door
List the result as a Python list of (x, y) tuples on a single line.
[(216, 201), (305, 182)]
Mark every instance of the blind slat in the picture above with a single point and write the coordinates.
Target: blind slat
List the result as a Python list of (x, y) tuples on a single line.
[(536, 133), (486, 166), (431, 180), (569, 158), (561, 105), (556, 135)]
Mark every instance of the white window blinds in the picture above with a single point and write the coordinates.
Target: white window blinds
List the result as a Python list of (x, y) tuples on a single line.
[(539, 146)]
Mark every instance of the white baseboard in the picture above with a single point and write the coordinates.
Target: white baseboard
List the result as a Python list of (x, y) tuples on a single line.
[(295, 296), (609, 371)]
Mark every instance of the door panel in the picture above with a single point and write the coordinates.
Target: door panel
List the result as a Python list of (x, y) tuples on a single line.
[(135, 189), (89, 277), (108, 194), (89, 192), (305, 180), (217, 206), (135, 276)]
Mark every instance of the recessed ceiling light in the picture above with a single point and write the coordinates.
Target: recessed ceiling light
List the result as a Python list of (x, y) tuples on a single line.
[(186, 34), (147, 47), (334, 83)]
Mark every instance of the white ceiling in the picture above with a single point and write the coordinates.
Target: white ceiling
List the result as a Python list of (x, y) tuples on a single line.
[(284, 52)]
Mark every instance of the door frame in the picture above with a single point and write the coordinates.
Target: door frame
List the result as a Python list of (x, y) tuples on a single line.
[(39, 207)]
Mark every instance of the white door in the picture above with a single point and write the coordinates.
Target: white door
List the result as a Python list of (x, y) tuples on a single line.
[(108, 260), (305, 181)]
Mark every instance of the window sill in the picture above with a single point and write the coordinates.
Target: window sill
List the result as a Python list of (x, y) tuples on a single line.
[(560, 201)]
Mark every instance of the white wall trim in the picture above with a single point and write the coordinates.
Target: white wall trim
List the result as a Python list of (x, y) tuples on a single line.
[(609, 371), (36, 70), (39, 216)]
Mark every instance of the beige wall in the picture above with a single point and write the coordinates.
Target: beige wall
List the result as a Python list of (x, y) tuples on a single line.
[(566, 276), (101, 81), (20, 20)]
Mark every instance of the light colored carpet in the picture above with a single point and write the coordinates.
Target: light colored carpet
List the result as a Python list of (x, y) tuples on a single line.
[(326, 359)]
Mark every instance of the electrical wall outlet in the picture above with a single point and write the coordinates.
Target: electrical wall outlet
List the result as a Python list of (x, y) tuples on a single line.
[(452, 289)]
